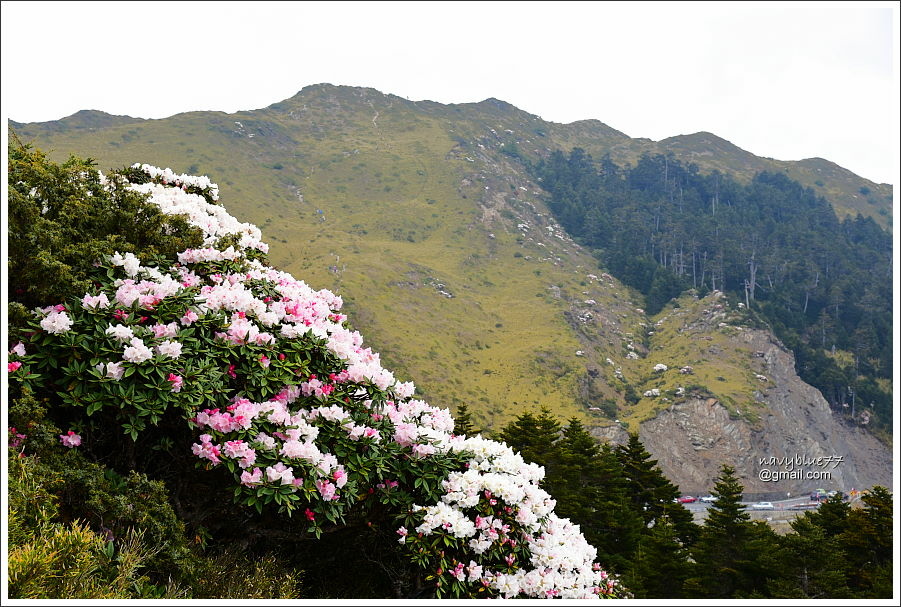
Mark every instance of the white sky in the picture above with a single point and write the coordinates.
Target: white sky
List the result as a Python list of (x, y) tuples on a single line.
[(783, 80)]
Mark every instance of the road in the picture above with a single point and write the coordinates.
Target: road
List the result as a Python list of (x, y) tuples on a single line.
[(780, 505)]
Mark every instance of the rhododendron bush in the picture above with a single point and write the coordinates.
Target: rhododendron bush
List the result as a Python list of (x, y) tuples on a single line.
[(286, 397)]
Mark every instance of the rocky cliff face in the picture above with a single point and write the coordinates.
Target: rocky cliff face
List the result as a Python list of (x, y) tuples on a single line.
[(793, 443)]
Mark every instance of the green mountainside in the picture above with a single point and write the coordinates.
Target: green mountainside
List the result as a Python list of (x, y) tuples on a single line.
[(423, 218)]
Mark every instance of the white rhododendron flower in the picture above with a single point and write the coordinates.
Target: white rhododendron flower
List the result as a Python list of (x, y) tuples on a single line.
[(137, 352), (56, 322)]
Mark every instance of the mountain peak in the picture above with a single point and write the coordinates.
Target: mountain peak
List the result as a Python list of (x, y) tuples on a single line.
[(701, 138), (594, 126), (499, 104), (333, 93)]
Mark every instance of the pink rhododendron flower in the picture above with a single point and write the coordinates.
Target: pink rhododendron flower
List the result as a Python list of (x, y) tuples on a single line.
[(326, 489), (206, 449), (176, 380), (114, 370), (148, 302), (405, 433), (70, 439), (249, 479), (160, 330), (234, 448), (120, 332), (189, 317), (13, 366), (423, 450), (18, 349), (340, 477), (15, 438), (92, 302), (404, 390), (280, 472)]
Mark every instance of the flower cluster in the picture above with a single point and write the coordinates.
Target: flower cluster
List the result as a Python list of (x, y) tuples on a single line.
[(15, 438), (70, 439), (211, 218), (496, 514), (287, 398), (56, 321), (168, 177)]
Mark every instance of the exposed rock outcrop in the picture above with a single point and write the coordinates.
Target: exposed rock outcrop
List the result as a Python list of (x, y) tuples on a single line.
[(799, 444)]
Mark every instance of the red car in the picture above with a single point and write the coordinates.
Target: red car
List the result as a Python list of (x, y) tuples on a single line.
[(686, 499)]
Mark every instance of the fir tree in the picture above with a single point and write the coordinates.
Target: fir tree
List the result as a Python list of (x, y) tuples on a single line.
[(653, 495), (590, 489), (668, 529), (732, 555), (868, 542), (660, 564), (813, 564), (831, 517), (535, 438), (463, 425)]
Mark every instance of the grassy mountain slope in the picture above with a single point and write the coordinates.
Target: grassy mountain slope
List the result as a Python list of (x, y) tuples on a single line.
[(701, 336), (420, 215), (362, 193)]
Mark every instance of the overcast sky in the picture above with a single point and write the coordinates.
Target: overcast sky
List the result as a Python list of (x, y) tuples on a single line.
[(782, 80)]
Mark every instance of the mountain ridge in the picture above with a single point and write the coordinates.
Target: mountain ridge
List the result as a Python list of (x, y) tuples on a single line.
[(87, 117)]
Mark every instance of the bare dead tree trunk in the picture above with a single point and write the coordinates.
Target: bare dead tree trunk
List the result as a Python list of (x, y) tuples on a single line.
[(694, 276), (816, 281), (752, 282)]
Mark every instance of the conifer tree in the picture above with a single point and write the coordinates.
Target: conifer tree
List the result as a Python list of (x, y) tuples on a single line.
[(535, 438), (733, 554), (586, 480), (660, 563), (812, 565), (668, 528), (838, 551), (591, 490), (463, 425), (868, 542), (832, 516), (652, 494)]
